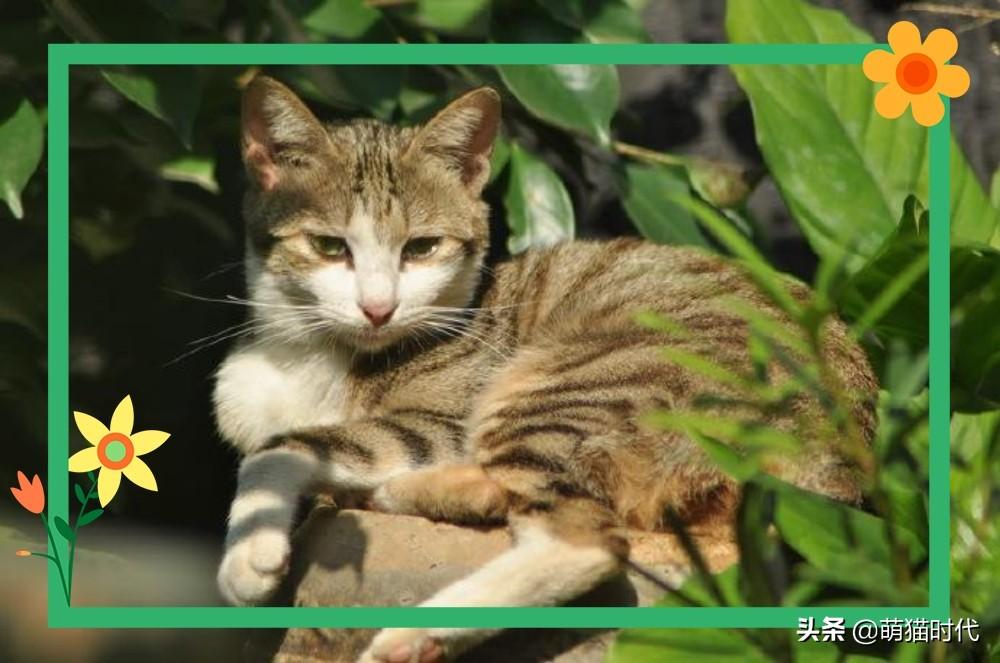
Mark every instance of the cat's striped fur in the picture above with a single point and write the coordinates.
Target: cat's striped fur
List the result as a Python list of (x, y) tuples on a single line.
[(518, 404)]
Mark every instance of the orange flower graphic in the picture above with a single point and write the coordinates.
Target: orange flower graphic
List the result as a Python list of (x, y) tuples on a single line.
[(915, 73), (30, 495), (116, 450)]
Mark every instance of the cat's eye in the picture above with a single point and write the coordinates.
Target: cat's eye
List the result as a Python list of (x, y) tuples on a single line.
[(421, 247), (330, 246)]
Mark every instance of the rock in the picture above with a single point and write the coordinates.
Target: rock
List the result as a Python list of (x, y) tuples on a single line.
[(361, 558)]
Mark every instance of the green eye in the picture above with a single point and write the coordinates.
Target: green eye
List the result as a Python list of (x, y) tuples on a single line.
[(331, 247), (421, 247)]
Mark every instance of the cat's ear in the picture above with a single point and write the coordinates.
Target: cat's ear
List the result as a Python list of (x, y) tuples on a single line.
[(278, 132), (462, 136)]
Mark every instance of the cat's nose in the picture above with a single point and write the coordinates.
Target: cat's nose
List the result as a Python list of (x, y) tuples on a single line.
[(378, 313)]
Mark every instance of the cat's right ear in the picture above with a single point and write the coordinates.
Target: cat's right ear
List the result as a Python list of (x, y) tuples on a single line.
[(278, 132)]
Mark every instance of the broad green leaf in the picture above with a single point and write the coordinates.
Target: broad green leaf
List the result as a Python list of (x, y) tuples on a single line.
[(843, 170), (975, 438), (467, 18), (539, 210), (194, 168), (89, 517), (846, 532), (172, 94), (995, 189), (21, 143), (643, 192), (995, 199), (342, 19), (683, 646), (499, 158), (578, 97), (975, 295), (905, 247), (64, 529), (599, 21)]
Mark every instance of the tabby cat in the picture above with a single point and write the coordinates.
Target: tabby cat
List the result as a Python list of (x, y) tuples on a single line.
[(387, 360)]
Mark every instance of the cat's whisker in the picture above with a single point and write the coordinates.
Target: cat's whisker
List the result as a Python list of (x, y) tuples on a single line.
[(238, 301), (209, 337), (460, 331), (442, 316), (247, 327)]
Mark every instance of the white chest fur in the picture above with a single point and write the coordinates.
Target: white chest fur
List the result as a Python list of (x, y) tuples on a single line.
[(262, 391)]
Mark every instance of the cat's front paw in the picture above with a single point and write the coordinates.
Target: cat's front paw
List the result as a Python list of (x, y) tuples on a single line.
[(404, 645), (253, 566)]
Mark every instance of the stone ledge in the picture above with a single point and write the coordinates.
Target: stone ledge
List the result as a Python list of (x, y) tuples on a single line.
[(362, 558)]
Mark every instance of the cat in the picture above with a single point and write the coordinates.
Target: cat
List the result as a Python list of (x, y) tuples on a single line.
[(388, 361)]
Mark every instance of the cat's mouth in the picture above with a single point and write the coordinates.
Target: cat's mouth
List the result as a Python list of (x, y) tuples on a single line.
[(377, 338)]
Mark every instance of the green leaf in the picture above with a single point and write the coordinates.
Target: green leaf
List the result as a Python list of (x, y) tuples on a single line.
[(578, 97), (643, 190), (81, 496), (466, 18), (172, 94), (600, 21), (904, 251), (341, 19), (89, 517), (194, 168), (995, 190), (21, 143), (64, 529), (757, 549), (975, 296), (845, 531), (682, 646), (499, 158), (843, 170), (539, 210)]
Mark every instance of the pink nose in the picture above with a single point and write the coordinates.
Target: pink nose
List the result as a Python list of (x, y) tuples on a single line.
[(378, 314)]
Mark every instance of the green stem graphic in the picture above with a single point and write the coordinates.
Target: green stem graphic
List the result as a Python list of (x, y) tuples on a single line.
[(55, 556), (41, 554), (76, 526)]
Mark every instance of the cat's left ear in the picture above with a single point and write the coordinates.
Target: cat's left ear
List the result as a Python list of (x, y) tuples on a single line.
[(462, 135)]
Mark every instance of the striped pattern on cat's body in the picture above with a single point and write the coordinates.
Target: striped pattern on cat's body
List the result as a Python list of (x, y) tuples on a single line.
[(516, 402)]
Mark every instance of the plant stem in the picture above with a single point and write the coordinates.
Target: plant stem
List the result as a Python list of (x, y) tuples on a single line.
[(646, 154), (55, 556), (72, 545)]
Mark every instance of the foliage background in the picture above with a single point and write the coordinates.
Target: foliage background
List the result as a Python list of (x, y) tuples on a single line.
[(680, 155)]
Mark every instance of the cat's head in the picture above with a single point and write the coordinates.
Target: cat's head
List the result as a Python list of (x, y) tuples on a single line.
[(361, 231)]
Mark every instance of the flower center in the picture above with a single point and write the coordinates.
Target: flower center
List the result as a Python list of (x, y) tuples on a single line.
[(916, 73), (115, 451)]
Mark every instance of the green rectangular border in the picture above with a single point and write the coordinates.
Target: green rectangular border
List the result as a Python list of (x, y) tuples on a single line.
[(61, 56)]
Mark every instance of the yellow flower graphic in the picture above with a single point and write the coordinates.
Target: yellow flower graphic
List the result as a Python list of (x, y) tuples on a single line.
[(916, 73), (116, 450)]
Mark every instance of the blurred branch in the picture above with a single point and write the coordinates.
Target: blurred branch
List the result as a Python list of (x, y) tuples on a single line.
[(646, 154), (980, 15), (74, 20), (951, 10)]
